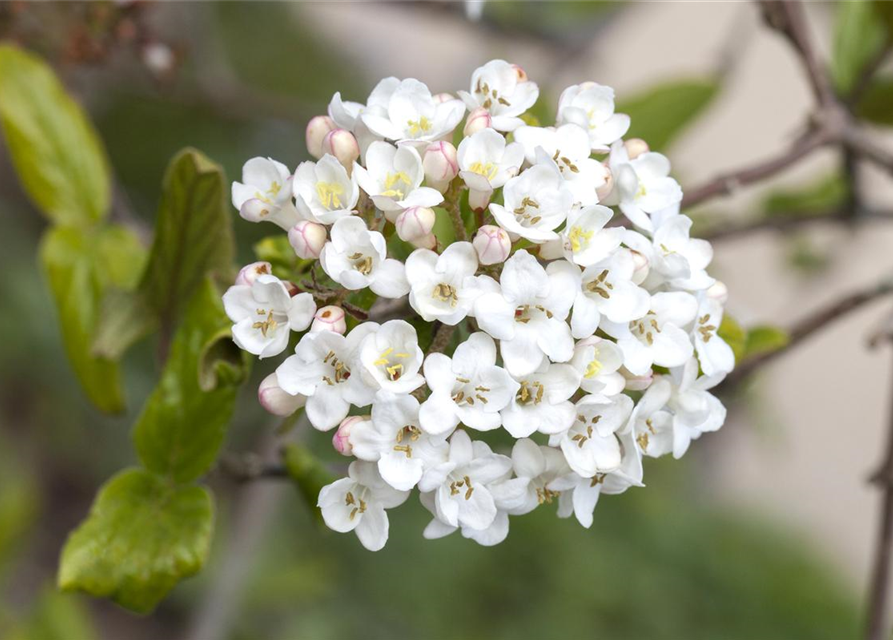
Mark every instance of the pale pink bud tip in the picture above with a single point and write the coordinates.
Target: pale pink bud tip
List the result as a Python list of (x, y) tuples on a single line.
[(307, 238), (342, 144), (605, 190), (636, 383), (635, 147), (719, 292), (441, 165), (641, 267), (341, 439), (277, 401), (478, 120), (415, 223), (317, 129), (519, 71), (440, 98), (330, 318), (249, 273), (492, 244)]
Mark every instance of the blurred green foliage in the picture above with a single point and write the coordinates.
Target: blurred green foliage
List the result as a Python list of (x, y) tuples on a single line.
[(662, 113)]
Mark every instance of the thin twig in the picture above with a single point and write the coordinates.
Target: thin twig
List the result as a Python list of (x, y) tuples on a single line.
[(791, 222), (802, 330), (442, 338), (865, 146)]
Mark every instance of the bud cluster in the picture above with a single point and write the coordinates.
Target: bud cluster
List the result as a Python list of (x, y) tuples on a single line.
[(572, 308)]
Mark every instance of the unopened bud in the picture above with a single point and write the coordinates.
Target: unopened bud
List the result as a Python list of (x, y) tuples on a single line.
[(307, 238), (478, 120), (719, 292), (341, 439), (343, 145), (635, 147), (249, 273), (425, 242), (275, 400), (317, 129), (636, 383), (492, 244), (641, 267), (414, 223), (330, 318), (441, 165), (440, 98), (605, 190), (522, 75)]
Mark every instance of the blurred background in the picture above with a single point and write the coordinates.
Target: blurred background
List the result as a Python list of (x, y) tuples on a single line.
[(763, 530)]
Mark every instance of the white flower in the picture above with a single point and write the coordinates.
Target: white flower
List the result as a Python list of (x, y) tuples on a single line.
[(673, 256), (486, 162), (592, 445), (393, 177), (642, 186), (460, 485), (585, 239), (535, 204), (535, 468), (323, 190), (714, 354), (393, 439), (651, 422), (412, 114), (264, 314), (542, 402), (567, 148), (598, 360), (356, 258), (527, 314), (498, 88), (579, 495), (347, 115), (391, 358), (591, 106), (607, 290), (439, 282), (695, 409), (467, 388), (358, 502), (265, 193), (658, 337), (325, 369)]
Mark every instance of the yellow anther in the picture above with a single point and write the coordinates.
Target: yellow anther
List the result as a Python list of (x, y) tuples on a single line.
[(579, 239), (329, 194), (422, 125), (488, 170), (592, 369), (391, 182)]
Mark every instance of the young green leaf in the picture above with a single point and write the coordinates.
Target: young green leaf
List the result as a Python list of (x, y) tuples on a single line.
[(735, 335), (765, 339), (184, 421), (875, 105), (663, 113), (59, 158), (859, 35), (308, 473), (143, 536), (80, 266)]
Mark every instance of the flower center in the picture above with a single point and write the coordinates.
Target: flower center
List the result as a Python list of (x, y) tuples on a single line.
[(361, 263), (488, 170), (392, 182), (394, 370), (530, 392), (525, 313), (594, 367), (579, 239), (268, 195), (525, 218), (544, 495), (707, 331), (600, 285), (456, 487), (339, 372), (643, 438), (411, 432), (422, 125), (645, 328), (564, 163), (329, 194), (467, 395), (489, 95), (268, 324), (359, 505), (445, 293)]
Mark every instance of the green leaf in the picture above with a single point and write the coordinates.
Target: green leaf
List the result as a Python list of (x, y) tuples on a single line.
[(278, 252), (142, 537), (877, 103), (443, 227), (184, 421), (662, 114), (823, 194), (734, 334), (308, 474), (765, 339), (59, 616), (193, 234), (859, 35), (59, 158), (884, 11), (80, 266)]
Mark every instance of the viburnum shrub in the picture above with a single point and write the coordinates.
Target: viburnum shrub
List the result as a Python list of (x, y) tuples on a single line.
[(590, 339)]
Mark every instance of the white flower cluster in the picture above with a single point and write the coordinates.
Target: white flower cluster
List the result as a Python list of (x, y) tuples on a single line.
[(591, 343)]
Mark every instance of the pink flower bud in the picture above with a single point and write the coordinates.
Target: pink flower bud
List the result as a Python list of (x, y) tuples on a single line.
[(636, 383), (519, 71), (414, 223), (492, 244), (441, 165), (341, 439), (275, 400), (478, 120), (343, 145), (440, 98), (425, 242), (330, 318), (317, 129), (307, 238), (249, 273), (719, 292), (641, 267), (635, 147), (605, 190)]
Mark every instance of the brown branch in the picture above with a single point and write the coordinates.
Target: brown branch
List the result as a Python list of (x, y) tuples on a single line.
[(442, 337), (731, 182), (784, 223), (803, 329), (866, 147)]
